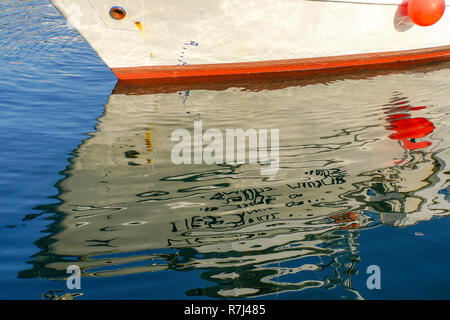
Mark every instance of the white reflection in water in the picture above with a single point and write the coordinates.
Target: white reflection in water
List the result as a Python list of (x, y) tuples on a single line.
[(354, 154)]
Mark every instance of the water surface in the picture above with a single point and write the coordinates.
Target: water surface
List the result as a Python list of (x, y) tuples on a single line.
[(88, 179)]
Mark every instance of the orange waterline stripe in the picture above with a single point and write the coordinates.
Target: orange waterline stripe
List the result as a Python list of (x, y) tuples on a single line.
[(277, 66)]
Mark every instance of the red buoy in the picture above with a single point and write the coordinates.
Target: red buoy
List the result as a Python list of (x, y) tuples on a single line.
[(425, 12)]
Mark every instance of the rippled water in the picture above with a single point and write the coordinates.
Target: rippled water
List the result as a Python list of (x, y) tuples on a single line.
[(88, 179)]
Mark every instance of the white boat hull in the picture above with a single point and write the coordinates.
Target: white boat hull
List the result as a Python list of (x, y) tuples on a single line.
[(179, 33)]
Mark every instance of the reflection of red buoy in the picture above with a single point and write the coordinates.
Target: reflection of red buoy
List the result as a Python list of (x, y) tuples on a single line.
[(346, 217), (425, 12), (410, 129)]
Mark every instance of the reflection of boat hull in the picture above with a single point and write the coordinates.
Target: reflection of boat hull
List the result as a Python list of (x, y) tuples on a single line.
[(127, 208), (177, 39), (123, 180)]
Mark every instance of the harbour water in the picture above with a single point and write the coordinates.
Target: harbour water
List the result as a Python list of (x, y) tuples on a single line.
[(89, 178)]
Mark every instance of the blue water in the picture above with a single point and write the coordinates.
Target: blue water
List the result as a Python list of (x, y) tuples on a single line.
[(53, 92)]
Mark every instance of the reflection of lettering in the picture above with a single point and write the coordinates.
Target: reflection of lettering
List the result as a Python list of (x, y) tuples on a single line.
[(326, 172), (267, 199), (255, 195), (259, 199), (294, 203), (252, 197), (225, 222), (319, 183)]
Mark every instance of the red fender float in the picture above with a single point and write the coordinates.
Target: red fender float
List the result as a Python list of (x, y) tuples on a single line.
[(426, 12)]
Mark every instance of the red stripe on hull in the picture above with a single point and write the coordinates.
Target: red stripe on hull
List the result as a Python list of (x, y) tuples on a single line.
[(280, 68)]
